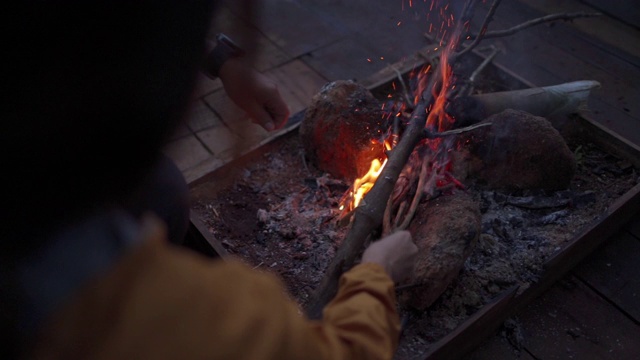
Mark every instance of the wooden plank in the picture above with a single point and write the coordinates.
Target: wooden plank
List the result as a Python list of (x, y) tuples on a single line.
[(390, 72), (200, 117), (205, 86), (266, 53), (218, 140), (389, 29), (607, 30), (563, 35), (345, 59), (614, 119), (186, 152), (612, 271), (289, 25), (572, 322), (181, 131), (297, 83), (543, 63), (214, 166), (625, 11)]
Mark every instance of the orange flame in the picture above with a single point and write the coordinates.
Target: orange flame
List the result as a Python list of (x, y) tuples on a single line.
[(437, 118), (362, 185)]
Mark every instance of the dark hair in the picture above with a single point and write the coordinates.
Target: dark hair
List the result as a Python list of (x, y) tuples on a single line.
[(94, 88)]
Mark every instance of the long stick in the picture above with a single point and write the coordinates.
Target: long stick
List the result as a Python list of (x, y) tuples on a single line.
[(483, 29), (369, 215)]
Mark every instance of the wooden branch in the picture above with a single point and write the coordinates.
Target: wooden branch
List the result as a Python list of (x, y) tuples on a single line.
[(564, 98), (483, 29), (468, 87), (399, 215), (432, 135), (424, 171), (369, 214), (405, 89), (533, 22), (368, 217), (386, 223)]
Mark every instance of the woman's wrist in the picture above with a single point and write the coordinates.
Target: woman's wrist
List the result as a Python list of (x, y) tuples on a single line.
[(224, 51)]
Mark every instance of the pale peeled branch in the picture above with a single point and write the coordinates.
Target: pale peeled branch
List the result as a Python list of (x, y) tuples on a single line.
[(545, 101)]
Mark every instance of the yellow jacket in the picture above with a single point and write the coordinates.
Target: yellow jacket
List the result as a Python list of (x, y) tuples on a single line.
[(162, 302)]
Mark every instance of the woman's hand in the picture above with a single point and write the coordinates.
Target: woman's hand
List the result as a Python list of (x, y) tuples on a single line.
[(254, 93), (396, 253)]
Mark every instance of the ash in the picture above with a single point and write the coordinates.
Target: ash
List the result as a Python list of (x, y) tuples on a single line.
[(280, 215)]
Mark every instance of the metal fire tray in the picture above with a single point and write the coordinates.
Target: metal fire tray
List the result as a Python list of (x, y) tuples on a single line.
[(486, 321)]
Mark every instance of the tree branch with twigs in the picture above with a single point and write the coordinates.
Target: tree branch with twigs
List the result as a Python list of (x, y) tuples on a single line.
[(375, 210)]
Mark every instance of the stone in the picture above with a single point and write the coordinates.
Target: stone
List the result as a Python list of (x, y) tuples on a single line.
[(519, 151), (445, 230), (340, 127)]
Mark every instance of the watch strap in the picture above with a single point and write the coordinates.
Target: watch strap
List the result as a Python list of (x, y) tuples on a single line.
[(224, 50)]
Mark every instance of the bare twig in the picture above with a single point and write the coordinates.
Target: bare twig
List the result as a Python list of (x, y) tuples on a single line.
[(432, 135), (533, 22), (401, 209), (418, 195), (386, 223), (405, 89), (483, 29), (467, 88), (369, 215)]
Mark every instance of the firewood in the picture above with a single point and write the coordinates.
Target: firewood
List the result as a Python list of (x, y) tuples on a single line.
[(545, 101)]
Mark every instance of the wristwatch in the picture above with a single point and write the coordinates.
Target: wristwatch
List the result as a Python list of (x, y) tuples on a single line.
[(224, 50)]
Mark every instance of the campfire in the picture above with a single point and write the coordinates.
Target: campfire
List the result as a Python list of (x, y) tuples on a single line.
[(487, 186), (421, 161)]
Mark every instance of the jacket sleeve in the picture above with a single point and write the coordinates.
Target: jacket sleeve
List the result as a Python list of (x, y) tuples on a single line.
[(161, 302)]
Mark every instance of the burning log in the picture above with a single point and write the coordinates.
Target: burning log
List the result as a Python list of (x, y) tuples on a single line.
[(446, 231), (519, 151), (338, 129)]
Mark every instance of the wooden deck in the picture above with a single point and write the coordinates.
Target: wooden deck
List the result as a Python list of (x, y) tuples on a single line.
[(594, 312)]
